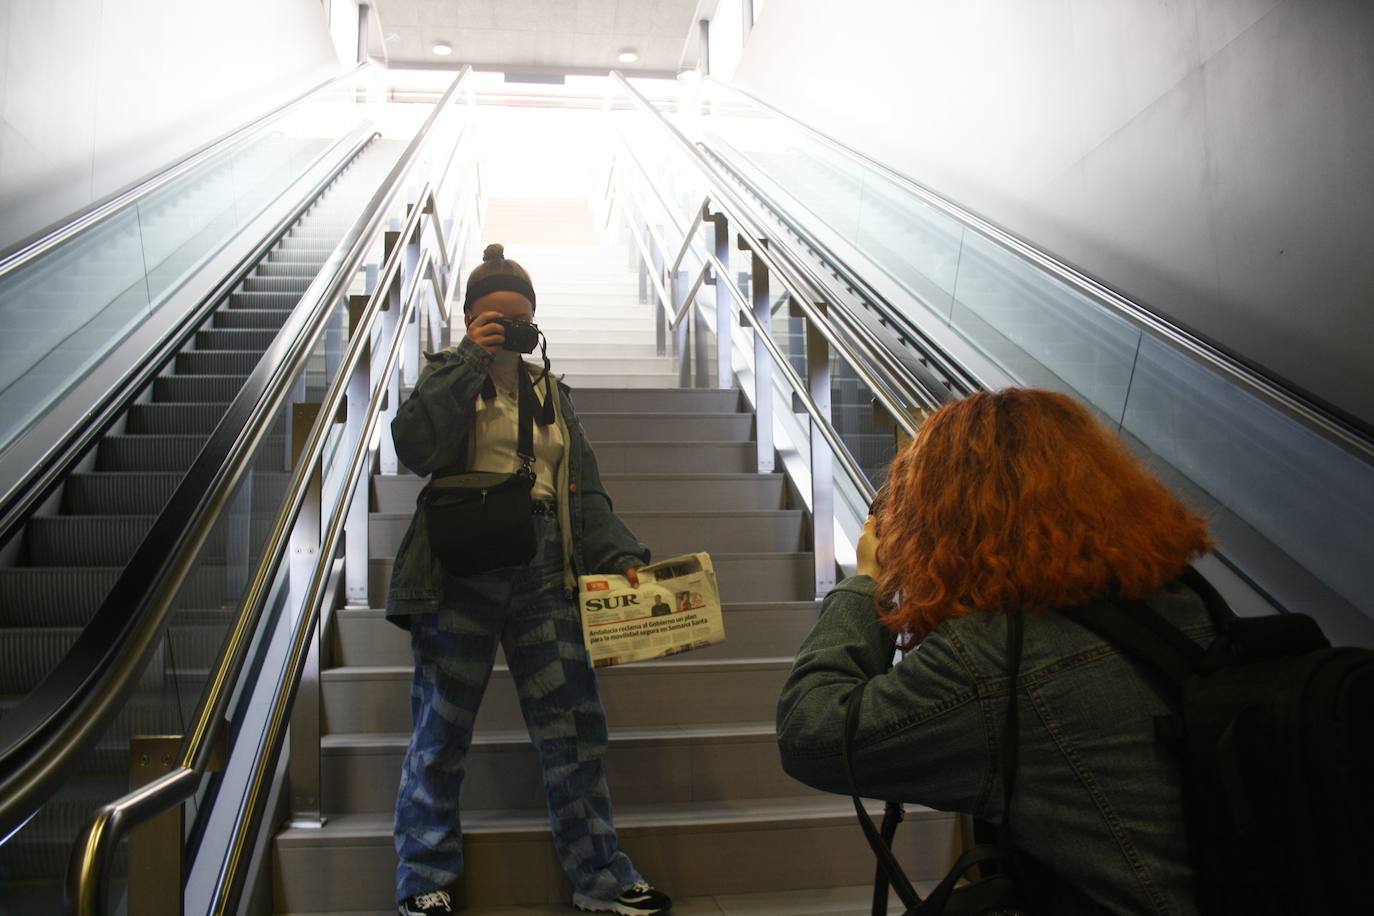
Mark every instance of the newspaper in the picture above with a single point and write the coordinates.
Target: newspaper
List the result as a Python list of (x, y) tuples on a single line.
[(676, 608)]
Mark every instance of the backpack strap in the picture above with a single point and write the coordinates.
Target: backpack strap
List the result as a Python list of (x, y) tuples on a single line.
[(1141, 633), (1217, 608), (887, 862)]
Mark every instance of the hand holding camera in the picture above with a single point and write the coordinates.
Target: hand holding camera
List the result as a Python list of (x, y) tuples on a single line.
[(493, 332)]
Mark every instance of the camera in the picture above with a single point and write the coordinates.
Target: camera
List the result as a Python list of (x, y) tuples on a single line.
[(521, 336)]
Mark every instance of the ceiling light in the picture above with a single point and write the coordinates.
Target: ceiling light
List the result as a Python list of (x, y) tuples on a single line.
[(442, 48), (628, 56)]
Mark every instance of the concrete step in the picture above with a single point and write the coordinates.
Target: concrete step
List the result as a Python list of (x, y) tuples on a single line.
[(359, 773), (826, 901), (652, 693), (691, 427), (363, 637), (675, 457), (668, 534), (688, 848), (668, 399), (630, 492), (619, 379)]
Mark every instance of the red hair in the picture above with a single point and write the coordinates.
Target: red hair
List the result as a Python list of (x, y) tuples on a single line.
[(1021, 499)]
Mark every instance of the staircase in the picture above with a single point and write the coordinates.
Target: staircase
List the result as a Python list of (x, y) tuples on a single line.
[(701, 802), (70, 556)]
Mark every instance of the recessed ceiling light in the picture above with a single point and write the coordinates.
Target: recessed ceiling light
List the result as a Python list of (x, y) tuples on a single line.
[(628, 56), (442, 48)]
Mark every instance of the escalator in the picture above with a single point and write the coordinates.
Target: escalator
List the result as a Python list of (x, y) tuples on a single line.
[(1287, 480), (79, 537)]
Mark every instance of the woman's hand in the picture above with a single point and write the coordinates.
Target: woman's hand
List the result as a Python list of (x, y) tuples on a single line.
[(484, 331), (868, 550), (633, 575)]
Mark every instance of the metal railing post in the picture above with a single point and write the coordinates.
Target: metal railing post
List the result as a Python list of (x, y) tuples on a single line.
[(660, 319), (386, 460), (822, 462), (681, 340), (725, 306), (155, 847), (304, 774), (763, 365), (410, 265), (360, 385)]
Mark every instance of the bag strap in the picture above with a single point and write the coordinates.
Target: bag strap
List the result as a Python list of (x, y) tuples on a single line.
[(524, 445), (1010, 750), (1009, 759), (886, 861), (1142, 633)]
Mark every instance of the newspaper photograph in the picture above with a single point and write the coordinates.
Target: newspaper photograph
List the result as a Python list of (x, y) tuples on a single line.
[(676, 608)]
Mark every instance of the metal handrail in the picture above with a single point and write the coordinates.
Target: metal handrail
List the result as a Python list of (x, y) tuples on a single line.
[(1323, 419), (793, 275), (93, 853), (35, 248)]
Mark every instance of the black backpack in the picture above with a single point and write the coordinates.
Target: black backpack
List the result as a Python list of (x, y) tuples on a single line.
[(1274, 734)]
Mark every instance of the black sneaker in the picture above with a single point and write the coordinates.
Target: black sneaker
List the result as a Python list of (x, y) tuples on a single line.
[(435, 903), (639, 900)]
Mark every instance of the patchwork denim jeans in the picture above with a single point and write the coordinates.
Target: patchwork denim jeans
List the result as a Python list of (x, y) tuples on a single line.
[(526, 611)]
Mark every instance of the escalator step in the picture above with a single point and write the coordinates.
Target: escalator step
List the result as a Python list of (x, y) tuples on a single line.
[(147, 453), (174, 419), (175, 453), (146, 493), (234, 339), (224, 362), (85, 540), (263, 300), (128, 493), (37, 596), (256, 319), (295, 285), (313, 258), (286, 269), (205, 389), (57, 596), (28, 654)]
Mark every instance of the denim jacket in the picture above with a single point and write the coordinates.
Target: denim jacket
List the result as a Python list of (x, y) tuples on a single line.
[(1097, 798), (432, 430)]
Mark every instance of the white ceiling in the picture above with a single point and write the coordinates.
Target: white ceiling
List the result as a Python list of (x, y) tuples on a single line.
[(576, 36)]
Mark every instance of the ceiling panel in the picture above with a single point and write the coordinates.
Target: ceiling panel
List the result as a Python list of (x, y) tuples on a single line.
[(547, 34)]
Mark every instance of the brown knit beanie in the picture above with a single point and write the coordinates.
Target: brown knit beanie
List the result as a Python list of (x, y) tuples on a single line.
[(497, 274)]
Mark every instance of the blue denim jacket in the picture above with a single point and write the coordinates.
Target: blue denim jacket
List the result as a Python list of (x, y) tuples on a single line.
[(1097, 799), (432, 431)]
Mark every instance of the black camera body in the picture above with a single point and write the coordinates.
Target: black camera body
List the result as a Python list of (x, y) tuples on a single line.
[(521, 336)]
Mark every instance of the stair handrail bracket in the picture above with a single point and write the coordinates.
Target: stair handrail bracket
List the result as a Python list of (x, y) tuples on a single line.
[(393, 305)]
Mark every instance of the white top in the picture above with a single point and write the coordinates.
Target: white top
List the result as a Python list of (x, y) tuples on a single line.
[(497, 429)]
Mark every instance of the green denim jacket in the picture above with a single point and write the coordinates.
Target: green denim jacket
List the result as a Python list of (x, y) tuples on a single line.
[(432, 431), (1097, 797)]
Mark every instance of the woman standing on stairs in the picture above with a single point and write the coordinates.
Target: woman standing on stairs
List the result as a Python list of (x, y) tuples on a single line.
[(464, 413)]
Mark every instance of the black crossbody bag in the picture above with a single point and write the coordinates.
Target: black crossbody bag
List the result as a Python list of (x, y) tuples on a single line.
[(478, 520), (997, 894)]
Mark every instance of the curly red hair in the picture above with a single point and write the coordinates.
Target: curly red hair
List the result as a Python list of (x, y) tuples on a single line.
[(1021, 499)]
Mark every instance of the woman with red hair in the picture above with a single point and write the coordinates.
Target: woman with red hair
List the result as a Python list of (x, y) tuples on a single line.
[(1011, 504)]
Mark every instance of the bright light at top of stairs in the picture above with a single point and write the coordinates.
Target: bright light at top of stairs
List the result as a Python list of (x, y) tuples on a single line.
[(442, 48), (628, 56)]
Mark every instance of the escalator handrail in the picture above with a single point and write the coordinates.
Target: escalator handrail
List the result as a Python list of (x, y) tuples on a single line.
[(961, 380), (34, 247), (1314, 412), (39, 483), (54, 725), (888, 384)]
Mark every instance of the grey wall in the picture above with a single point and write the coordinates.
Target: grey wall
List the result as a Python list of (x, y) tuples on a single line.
[(1213, 159), (95, 94)]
